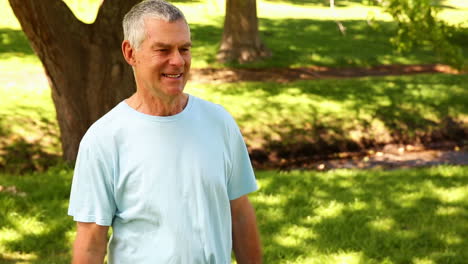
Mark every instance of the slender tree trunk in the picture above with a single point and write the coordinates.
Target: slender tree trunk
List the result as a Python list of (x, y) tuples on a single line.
[(84, 64), (241, 40)]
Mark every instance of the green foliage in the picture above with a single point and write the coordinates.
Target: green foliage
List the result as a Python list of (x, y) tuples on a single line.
[(418, 25), (305, 217)]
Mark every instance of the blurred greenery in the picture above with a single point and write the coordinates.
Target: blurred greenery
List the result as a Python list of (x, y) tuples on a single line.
[(307, 118), (343, 216)]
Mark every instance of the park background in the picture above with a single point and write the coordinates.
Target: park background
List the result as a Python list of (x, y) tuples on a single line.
[(293, 123)]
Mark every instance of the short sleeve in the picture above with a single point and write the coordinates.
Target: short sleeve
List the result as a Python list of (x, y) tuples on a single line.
[(91, 197), (242, 178)]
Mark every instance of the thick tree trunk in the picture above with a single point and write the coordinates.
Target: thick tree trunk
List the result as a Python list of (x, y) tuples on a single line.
[(241, 40), (84, 64)]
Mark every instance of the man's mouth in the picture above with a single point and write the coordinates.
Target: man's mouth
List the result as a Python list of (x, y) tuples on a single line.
[(172, 75)]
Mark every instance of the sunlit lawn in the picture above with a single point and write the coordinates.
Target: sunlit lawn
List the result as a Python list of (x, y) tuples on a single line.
[(404, 216)]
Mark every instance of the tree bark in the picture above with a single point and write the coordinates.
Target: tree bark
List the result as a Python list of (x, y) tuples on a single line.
[(83, 62), (241, 40)]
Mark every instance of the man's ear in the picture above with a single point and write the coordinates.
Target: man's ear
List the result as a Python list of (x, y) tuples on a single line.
[(128, 52)]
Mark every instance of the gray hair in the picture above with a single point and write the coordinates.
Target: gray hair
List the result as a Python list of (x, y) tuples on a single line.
[(134, 21)]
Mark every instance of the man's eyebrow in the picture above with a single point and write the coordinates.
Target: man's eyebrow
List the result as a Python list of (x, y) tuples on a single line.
[(160, 45), (165, 45), (187, 45)]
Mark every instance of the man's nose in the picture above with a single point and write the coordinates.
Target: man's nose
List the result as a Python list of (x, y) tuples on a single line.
[(176, 59)]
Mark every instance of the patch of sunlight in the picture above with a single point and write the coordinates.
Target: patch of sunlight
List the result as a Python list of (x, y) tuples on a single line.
[(8, 234), (269, 200), (18, 258), (332, 209), (339, 173), (448, 210), (70, 235), (347, 258), (406, 234), (451, 239), (213, 12), (323, 59), (449, 195), (358, 205), (23, 225), (446, 171), (454, 16), (321, 194), (267, 9), (271, 214), (407, 200), (460, 4), (382, 224), (8, 17), (329, 106), (286, 241), (294, 236), (84, 10), (13, 63), (422, 261), (300, 232), (379, 205), (345, 183)]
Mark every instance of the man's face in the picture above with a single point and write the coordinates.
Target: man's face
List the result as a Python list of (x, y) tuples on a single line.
[(162, 62)]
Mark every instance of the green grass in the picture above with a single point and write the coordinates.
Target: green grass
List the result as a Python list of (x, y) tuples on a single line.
[(34, 225), (343, 216)]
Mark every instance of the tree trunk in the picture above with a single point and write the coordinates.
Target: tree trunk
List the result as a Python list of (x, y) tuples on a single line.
[(83, 62), (241, 40)]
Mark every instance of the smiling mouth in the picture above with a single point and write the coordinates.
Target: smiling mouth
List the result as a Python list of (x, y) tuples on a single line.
[(172, 75)]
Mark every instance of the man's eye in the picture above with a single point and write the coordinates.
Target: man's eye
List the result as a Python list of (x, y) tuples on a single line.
[(162, 50)]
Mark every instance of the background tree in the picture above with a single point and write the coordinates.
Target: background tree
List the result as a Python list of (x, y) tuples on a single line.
[(241, 40), (83, 62), (418, 25)]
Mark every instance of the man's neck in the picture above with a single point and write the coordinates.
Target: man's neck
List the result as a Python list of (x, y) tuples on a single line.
[(156, 106)]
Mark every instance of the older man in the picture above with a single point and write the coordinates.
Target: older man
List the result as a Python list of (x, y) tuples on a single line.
[(167, 170)]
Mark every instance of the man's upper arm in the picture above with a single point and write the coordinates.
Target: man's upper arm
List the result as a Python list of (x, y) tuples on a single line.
[(246, 239), (92, 190), (239, 204), (90, 243)]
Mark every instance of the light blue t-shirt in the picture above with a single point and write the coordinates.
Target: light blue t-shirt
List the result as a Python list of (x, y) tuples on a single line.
[(163, 183)]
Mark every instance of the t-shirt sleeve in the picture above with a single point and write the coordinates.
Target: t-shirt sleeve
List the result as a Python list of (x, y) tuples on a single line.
[(91, 198), (242, 178)]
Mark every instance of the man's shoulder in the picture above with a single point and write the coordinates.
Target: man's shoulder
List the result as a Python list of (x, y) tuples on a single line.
[(105, 126), (213, 109)]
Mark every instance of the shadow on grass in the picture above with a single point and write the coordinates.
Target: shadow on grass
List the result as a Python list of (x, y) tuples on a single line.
[(38, 215), (386, 217), (35, 150), (14, 41)]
